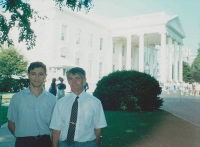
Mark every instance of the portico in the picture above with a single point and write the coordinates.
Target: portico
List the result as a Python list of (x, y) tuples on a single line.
[(155, 46)]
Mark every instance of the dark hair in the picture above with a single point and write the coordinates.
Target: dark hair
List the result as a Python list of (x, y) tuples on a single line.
[(53, 80), (76, 70), (37, 64)]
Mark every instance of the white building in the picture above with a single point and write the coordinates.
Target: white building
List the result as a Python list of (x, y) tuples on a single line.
[(149, 43), (188, 57)]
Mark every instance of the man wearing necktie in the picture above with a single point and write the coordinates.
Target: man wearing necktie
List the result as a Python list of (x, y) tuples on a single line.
[(78, 117)]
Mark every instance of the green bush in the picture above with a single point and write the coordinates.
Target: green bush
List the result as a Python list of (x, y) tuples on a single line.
[(13, 85), (129, 90)]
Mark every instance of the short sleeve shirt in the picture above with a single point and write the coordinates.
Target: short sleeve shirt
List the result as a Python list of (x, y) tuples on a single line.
[(90, 116), (31, 114)]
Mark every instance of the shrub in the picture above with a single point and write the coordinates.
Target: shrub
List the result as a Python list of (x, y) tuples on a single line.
[(129, 90), (13, 85)]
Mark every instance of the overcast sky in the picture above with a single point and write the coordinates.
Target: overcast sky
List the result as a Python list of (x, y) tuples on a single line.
[(187, 10)]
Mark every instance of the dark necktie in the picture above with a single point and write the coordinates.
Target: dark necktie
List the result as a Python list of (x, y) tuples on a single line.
[(72, 124)]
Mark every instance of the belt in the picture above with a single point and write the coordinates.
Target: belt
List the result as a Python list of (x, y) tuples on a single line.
[(35, 137)]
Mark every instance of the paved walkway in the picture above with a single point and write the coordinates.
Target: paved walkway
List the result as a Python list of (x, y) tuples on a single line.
[(185, 107)]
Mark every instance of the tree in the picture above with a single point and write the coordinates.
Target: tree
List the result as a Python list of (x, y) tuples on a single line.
[(12, 63), (187, 73), (20, 15), (196, 67)]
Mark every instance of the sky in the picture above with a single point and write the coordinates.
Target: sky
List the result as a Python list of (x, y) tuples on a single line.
[(188, 12)]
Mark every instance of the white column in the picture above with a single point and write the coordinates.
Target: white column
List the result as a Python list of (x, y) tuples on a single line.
[(170, 48), (151, 58), (175, 61), (128, 53), (163, 58), (141, 53), (180, 64), (110, 55), (137, 59), (120, 55)]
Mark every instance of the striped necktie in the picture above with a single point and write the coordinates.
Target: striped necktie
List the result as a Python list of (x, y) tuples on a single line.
[(72, 124)]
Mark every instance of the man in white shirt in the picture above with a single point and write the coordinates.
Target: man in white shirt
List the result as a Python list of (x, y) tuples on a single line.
[(90, 115)]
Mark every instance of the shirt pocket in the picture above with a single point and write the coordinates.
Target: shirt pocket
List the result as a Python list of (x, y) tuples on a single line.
[(88, 118)]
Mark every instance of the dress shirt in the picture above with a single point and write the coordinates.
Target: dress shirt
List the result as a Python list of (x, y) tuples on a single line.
[(31, 114), (90, 116)]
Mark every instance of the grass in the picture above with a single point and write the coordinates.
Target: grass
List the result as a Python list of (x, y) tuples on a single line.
[(6, 97), (126, 129), (4, 109), (4, 114)]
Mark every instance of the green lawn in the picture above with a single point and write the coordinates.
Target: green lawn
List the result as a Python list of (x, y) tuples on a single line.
[(126, 129), (4, 110), (6, 97)]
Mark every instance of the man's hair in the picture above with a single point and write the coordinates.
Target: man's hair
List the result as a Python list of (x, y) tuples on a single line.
[(37, 64), (76, 70)]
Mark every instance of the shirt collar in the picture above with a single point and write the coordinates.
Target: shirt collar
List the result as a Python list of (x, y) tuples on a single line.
[(81, 95), (27, 90)]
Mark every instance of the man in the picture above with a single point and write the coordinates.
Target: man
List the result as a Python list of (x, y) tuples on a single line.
[(30, 111), (89, 115)]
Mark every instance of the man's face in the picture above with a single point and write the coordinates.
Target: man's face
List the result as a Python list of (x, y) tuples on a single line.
[(37, 77), (76, 83)]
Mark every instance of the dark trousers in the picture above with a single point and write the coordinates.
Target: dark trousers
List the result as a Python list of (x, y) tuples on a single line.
[(37, 141)]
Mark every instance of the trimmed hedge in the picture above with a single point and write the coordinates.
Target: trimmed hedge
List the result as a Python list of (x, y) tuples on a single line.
[(129, 90)]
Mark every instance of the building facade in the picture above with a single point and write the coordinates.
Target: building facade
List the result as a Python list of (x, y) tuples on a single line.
[(149, 43)]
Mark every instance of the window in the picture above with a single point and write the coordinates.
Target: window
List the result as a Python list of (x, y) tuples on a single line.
[(100, 70), (122, 50), (101, 43), (90, 40), (114, 48), (78, 36), (77, 61), (63, 32)]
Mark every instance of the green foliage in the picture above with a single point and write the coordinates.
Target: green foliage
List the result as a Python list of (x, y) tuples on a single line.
[(21, 15), (187, 73), (13, 85), (196, 68), (12, 63), (198, 51), (129, 90)]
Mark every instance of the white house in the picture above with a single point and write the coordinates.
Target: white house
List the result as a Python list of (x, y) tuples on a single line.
[(149, 43)]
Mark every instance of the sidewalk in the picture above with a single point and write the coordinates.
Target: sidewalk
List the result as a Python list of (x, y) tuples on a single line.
[(6, 138)]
